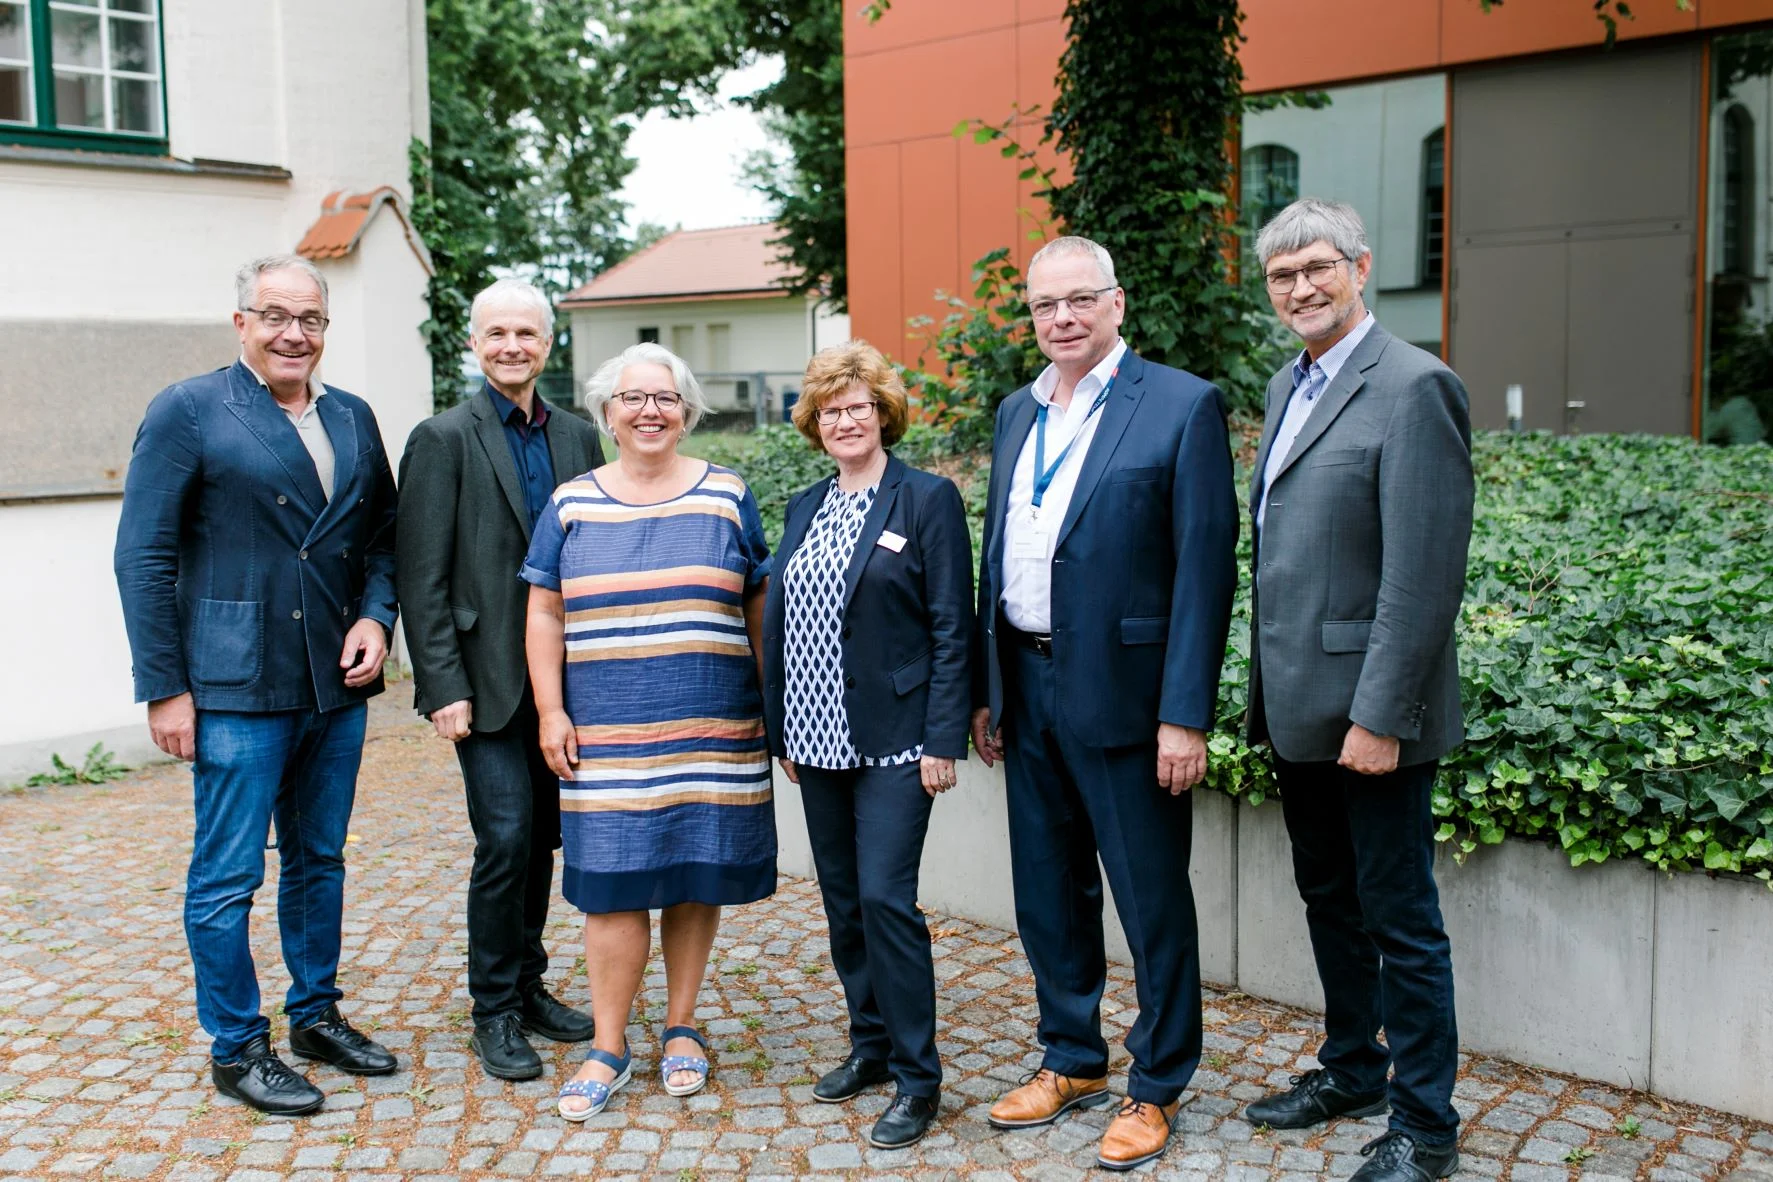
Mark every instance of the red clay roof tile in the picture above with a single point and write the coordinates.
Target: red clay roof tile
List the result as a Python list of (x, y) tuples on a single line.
[(735, 261)]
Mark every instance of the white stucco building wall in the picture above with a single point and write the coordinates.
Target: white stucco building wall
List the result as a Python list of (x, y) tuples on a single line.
[(103, 254)]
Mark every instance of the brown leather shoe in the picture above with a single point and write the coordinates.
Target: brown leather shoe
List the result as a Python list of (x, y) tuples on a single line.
[(1138, 1133), (1045, 1098)]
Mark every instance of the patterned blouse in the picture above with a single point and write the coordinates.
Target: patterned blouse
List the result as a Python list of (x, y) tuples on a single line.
[(816, 729)]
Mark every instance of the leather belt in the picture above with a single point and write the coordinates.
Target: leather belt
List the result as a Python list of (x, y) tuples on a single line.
[(1037, 642)]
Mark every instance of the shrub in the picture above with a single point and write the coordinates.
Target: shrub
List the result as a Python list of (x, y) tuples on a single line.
[(1614, 645)]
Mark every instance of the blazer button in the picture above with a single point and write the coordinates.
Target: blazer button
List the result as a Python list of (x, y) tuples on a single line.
[(296, 614), (282, 500), (303, 555), (849, 683)]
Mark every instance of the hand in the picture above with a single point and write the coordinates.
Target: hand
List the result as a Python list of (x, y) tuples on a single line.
[(453, 721), (989, 744), (173, 724), (1368, 753), (788, 770), (366, 647), (1181, 757), (938, 774), (560, 743)]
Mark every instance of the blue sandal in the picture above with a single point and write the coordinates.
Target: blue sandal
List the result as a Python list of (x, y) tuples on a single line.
[(669, 1065), (595, 1090)]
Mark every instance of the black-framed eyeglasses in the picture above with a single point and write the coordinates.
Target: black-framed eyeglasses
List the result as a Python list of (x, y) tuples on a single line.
[(666, 400), (277, 319), (1081, 302), (861, 412), (1316, 273)]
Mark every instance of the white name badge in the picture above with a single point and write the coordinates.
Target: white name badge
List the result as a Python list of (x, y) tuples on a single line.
[(1032, 543), (892, 541)]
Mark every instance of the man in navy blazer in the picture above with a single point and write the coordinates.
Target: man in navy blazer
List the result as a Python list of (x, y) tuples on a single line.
[(1105, 588), (255, 557)]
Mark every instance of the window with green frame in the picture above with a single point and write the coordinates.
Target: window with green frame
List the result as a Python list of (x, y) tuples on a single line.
[(82, 73)]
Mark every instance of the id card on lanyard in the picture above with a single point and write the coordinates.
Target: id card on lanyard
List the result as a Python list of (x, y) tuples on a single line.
[(1035, 540)]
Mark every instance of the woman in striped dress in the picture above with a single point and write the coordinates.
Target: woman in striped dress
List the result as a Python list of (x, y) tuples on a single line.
[(647, 585)]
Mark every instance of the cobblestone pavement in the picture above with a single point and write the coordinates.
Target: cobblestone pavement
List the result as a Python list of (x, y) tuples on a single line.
[(103, 1070)]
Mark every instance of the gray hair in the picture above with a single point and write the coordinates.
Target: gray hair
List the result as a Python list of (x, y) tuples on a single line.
[(1072, 244), (1310, 220), (246, 279), (512, 292), (602, 386)]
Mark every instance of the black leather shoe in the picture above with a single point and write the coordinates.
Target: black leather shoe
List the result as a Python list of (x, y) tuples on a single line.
[(905, 1121), (503, 1050), (543, 1015), (259, 1079), (334, 1040), (1399, 1157), (846, 1081), (1314, 1098)]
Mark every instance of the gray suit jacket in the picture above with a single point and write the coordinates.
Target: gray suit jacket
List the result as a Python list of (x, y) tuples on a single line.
[(1360, 566), (460, 541)]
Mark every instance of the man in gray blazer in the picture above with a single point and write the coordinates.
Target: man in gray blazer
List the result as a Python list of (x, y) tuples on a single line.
[(1362, 507), (475, 478)]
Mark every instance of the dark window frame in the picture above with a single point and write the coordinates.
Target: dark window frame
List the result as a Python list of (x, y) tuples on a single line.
[(1736, 211), (1431, 254), (647, 335), (43, 132), (1259, 160)]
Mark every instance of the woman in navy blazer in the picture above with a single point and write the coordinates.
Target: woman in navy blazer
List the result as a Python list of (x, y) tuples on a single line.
[(866, 633)]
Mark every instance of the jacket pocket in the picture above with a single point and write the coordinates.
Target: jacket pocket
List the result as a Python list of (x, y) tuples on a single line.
[(1145, 630), (1340, 457), (1129, 475), (911, 674), (227, 642), (1347, 636), (464, 617)]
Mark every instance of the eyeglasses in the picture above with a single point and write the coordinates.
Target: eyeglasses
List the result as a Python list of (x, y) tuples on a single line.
[(277, 319), (666, 400), (1317, 274), (1082, 303), (859, 413)]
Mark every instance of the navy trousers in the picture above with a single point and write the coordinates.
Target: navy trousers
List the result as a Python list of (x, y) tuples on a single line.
[(867, 826), (1070, 803), (514, 810), (1363, 858)]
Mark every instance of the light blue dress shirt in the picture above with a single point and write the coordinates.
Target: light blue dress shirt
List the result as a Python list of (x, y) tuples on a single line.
[(1310, 380)]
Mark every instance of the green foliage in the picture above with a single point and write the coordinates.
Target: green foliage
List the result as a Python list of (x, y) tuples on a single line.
[(526, 156), (1616, 663), (1608, 12), (99, 767), (672, 55)]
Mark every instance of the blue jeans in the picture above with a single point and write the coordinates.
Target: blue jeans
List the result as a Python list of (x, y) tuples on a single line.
[(300, 767), (1363, 859)]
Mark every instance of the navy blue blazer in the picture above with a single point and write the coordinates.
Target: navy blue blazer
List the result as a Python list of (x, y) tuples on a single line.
[(239, 579), (907, 618), (1144, 566)]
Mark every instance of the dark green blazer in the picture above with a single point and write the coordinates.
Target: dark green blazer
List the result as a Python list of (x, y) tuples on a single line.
[(460, 541)]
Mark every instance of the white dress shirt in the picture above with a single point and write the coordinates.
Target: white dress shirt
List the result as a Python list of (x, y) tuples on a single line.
[(1310, 380), (306, 421), (1028, 540)]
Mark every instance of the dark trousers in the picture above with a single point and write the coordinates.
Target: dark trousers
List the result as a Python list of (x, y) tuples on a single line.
[(1363, 858), (514, 809), (299, 768), (1070, 803), (867, 826)]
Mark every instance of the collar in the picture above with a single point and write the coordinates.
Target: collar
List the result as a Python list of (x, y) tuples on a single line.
[(512, 415), (1330, 364), (316, 388), (1048, 381)]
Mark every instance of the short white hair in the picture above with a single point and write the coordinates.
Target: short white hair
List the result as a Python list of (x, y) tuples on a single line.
[(1309, 220), (602, 386), (246, 279), (1073, 244), (511, 293)]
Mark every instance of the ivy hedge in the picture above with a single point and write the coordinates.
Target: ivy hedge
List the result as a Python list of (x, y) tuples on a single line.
[(1616, 645)]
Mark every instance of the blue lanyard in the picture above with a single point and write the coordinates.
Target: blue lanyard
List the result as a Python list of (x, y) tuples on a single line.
[(1043, 475)]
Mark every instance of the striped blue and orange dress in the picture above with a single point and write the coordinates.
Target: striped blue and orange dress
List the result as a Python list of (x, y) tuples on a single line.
[(670, 802)]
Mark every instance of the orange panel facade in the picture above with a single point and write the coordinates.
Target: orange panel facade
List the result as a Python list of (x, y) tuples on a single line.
[(924, 205)]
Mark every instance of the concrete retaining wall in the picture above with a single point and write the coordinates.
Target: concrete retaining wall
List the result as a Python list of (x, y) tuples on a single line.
[(1610, 972)]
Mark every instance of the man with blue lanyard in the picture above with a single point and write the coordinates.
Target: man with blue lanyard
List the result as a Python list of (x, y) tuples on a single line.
[(1105, 586)]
